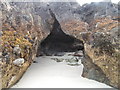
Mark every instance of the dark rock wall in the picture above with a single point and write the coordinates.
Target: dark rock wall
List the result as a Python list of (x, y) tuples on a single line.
[(103, 48)]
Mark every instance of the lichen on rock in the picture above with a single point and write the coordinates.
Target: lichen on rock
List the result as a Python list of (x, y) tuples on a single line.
[(104, 51), (19, 40)]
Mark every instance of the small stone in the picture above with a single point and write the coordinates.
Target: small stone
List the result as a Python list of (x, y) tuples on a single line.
[(31, 41), (4, 53), (17, 50), (0, 53), (35, 62), (19, 61), (1, 59), (7, 58), (1, 33), (59, 54), (58, 59), (78, 53)]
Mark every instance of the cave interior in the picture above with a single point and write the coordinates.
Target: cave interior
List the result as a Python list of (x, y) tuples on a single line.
[(58, 41)]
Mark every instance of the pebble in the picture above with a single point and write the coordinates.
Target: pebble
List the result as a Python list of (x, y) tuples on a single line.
[(4, 53), (17, 50), (78, 53), (1, 59), (1, 33), (7, 58), (0, 53), (19, 61)]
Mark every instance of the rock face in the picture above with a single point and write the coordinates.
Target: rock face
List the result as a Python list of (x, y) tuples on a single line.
[(61, 9), (74, 27), (96, 10), (104, 50), (92, 71), (19, 39)]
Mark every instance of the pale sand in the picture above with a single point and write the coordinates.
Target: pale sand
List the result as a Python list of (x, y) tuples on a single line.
[(48, 73)]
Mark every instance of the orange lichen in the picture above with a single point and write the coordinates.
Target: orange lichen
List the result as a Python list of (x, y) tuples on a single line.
[(103, 24), (74, 25)]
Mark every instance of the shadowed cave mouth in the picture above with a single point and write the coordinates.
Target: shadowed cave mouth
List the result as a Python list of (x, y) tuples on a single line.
[(58, 42)]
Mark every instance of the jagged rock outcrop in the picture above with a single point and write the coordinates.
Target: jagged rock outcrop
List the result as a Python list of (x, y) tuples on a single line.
[(103, 49), (61, 9), (19, 39), (96, 10)]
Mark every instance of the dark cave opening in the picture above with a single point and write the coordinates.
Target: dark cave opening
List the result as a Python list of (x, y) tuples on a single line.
[(57, 41)]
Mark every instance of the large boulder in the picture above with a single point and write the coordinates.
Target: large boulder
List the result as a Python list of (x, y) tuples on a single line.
[(103, 49), (20, 35)]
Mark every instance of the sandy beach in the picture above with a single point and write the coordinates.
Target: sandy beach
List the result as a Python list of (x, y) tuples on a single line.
[(48, 73)]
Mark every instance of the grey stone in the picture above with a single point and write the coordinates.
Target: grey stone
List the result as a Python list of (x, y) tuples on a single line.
[(78, 53), (19, 61), (0, 53), (1, 33), (17, 50)]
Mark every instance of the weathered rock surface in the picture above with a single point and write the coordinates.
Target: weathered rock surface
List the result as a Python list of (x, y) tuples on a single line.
[(61, 9), (96, 10), (20, 36), (74, 27), (103, 48)]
